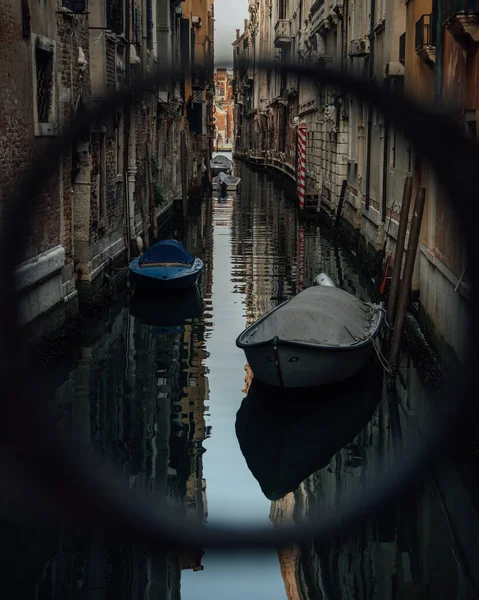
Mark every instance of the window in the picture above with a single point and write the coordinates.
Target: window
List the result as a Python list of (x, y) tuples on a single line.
[(115, 16), (353, 130), (44, 69), (137, 26), (44, 104), (102, 187), (77, 6), (119, 143), (149, 25)]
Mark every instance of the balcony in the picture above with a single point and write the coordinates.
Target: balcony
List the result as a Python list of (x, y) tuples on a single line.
[(462, 19), (359, 48), (402, 48), (317, 15), (426, 38), (282, 35)]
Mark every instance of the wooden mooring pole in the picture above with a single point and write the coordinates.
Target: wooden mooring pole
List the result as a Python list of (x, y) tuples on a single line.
[(405, 286), (398, 259), (340, 204), (184, 173)]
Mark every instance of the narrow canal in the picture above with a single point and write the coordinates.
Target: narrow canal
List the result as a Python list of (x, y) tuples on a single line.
[(158, 389)]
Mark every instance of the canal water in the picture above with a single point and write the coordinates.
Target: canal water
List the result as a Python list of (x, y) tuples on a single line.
[(159, 390)]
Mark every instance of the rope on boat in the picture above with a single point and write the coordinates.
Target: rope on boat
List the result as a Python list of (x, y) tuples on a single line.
[(386, 321), (382, 359)]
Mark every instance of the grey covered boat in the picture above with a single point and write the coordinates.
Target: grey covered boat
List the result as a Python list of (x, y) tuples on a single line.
[(230, 182), (221, 164), (323, 335)]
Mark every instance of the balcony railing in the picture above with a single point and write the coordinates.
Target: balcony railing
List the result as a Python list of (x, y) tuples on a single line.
[(402, 48), (317, 14), (425, 31), (452, 8), (282, 35)]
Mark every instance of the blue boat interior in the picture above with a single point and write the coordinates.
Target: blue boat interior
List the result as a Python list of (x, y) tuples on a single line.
[(167, 253)]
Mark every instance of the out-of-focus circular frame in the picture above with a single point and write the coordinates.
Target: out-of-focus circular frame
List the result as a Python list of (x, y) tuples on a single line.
[(86, 493)]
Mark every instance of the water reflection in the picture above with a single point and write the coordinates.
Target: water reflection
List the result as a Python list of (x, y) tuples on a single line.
[(167, 313), (157, 382), (286, 435)]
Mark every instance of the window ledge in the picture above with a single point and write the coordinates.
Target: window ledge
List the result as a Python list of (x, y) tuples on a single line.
[(46, 129)]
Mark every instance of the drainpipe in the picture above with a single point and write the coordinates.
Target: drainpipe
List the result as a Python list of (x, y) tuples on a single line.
[(126, 140), (437, 7), (385, 169), (253, 128), (370, 106)]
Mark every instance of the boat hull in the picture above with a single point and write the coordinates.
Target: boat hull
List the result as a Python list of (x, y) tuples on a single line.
[(305, 367), (229, 188), (165, 278)]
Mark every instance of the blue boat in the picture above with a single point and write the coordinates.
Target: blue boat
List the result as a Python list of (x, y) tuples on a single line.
[(167, 265)]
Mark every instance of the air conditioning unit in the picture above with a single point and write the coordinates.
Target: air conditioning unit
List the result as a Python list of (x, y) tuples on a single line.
[(196, 21)]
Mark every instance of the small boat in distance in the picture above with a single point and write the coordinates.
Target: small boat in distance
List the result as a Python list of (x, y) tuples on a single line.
[(166, 265), (221, 164), (321, 336)]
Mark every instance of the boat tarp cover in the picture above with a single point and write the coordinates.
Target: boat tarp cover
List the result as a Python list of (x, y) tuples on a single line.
[(318, 315), (221, 160), (228, 179), (167, 251)]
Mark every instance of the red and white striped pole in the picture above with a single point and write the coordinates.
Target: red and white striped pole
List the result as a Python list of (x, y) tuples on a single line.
[(301, 174)]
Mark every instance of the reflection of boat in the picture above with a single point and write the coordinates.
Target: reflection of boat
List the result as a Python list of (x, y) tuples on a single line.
[(166, 265), (230, 183), (221, 164), (166, 312), (323, 335), (287, 435)]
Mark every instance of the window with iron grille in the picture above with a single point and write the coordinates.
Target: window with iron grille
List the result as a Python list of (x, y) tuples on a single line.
[(115, 15), (137, 26), (149, 25), (44, 74)]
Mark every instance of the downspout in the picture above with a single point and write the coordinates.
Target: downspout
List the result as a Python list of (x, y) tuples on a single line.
[(438, 66), (385, 167), (370, 106), (253, 126), (126, 140), (298, 81)]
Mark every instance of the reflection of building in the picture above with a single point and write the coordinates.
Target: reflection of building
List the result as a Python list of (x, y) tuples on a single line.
[(136, 398), (223, 110)]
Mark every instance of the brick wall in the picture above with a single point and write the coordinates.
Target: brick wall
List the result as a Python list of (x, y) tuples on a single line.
[(107, 221), (74, 83), (16, 102)]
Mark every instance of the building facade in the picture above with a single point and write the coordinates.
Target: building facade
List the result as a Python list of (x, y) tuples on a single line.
[(424, 49), (223, 110), (125, 171)]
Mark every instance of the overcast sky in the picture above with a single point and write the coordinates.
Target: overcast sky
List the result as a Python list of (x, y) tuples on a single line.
[(229, 16)]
